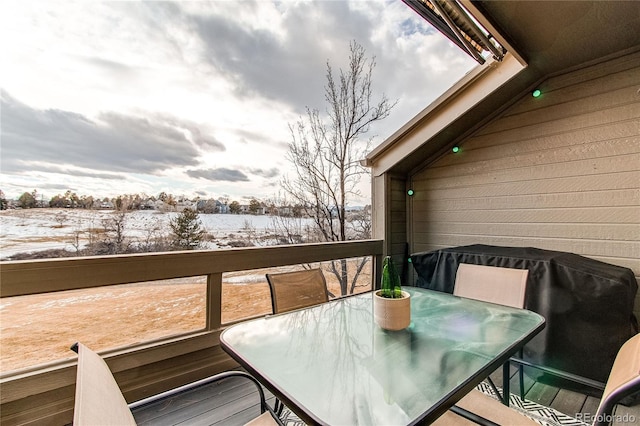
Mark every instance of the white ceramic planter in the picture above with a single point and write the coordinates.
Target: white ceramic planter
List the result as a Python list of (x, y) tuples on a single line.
[(392, 314)]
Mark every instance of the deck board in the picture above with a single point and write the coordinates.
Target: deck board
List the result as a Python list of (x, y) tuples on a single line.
[(590, 405), (542, 394), (568, 402), (626, 416), (230, 401), (234, 402)]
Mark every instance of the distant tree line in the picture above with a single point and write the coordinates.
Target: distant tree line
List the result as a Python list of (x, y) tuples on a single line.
[(163, 201)]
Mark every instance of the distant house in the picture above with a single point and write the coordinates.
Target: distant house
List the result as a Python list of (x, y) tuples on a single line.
[(284, 211), (103, 205), (184, 203), (207, 206), (149, 205), (221, 207)]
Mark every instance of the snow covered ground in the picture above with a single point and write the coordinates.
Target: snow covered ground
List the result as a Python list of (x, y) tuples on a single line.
[(41, 229)]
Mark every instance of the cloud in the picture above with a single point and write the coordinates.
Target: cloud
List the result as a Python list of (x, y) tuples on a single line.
[(50, 168), (56, 187), (219, 174), (288, 62), (270, 173), (115, 142), (223, 174), (194, 132), (109, 67)]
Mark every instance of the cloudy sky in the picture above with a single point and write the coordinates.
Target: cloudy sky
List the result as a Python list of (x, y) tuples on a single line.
[(191, 98)]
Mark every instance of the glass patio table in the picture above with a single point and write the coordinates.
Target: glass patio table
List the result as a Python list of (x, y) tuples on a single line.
[(331, 364)]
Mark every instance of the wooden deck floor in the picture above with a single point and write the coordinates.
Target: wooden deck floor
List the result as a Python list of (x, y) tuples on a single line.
[(235, 401)]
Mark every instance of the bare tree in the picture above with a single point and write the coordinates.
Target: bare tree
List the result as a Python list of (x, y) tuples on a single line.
[(61, 218), (115, 241), (326, 151), (154, 239)]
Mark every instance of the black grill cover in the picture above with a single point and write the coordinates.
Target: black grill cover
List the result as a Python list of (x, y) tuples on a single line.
[(587, 304)]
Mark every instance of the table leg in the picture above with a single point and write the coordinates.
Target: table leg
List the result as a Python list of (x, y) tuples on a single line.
[(505, 382)]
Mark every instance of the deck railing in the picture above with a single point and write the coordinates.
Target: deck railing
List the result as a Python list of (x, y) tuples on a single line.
[(45, 393)]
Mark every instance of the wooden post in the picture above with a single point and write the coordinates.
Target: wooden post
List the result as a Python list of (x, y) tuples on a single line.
[(214, 301)]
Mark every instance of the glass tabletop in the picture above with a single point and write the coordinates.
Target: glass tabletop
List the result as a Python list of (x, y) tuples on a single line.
[(335, 366)]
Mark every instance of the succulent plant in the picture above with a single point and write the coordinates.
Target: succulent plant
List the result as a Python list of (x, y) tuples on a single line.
[(390, 286)]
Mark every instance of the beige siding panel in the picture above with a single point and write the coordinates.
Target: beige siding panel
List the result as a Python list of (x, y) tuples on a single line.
[(564, 108), (580, 215), (605, 198), (583, 89), (494, 148), (611, 68), (623, 154), (596, 183), (553, 127), (561, 172), (609, 232), (549, 165)]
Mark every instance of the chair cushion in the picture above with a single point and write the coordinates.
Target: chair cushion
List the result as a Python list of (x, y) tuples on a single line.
[(504, 286), (486, 407), (452, 419)]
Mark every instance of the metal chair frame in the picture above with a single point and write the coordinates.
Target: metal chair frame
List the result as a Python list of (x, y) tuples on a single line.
[(264, 406)]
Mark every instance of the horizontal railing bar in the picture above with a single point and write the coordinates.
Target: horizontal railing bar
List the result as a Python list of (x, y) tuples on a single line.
[(18, 278)]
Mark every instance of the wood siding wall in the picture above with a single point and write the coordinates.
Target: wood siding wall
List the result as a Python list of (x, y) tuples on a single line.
[(389, 216), (398, 219), (558, 172)]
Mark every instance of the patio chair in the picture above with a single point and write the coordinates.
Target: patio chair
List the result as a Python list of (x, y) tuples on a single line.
[(99, 401), (298, 289), (623, 382), (503, 286)]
